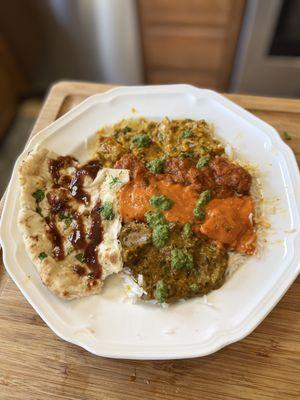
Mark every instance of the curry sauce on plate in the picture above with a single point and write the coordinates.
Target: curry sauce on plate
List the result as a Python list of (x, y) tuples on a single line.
[(185, 207)]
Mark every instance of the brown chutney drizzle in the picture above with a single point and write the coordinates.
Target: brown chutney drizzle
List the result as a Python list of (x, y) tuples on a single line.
[(76, 186), (55, 238), (77, 238), (95, 236), (79, 270), (56, 165), (58, 202)]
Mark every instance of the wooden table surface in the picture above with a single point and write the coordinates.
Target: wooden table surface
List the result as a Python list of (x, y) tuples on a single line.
[(35, 364)]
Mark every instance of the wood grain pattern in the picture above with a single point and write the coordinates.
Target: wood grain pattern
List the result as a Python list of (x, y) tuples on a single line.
[(179, 75), (169, 47), (35, 364), (191, 41), (188, 12)]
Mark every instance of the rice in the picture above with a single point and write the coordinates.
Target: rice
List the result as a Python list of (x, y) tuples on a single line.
[(133, 290)]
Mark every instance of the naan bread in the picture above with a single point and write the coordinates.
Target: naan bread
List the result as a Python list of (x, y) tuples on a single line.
[(50, 209)]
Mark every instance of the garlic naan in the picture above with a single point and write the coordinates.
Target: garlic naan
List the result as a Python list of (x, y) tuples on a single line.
[(69, 221)]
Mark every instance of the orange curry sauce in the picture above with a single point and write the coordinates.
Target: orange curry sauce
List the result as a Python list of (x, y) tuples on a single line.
[(228, 221)]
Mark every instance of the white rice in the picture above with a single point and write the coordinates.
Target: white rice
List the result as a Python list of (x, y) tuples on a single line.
[(133, 290)]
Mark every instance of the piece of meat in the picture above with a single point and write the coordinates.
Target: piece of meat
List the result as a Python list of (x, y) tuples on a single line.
[(134, 236), (109, 150), (133, 163), (202, 179), (222, 192), (230, 175), (184, 171), (177, 170)]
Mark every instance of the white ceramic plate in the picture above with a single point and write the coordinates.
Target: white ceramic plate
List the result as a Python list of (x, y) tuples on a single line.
[(106, 325)]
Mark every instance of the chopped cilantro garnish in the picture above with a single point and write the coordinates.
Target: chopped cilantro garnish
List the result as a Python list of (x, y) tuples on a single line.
[(203, 161), (80, 257), (161, 292), (42, 255), (114, 181), (194, 287), (187, 154), (161, 202), (127, 129), (181, 258), (155, 218), (156, 166), (160, 235), (68, 221), (199, 213), (204, 198), (141, 140), (287, 136), (39, 195), (39, 210), (160, 228), (187, 134), (67, 218), (187, 230), (107, 211), (70, 250)]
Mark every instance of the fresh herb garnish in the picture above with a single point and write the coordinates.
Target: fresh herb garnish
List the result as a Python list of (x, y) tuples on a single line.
[(114, 181), (194, 287), (141, 140), (70, 250), (161, 291), (160, 236), (107, 211), (204, 198), (187, 230), (39, 210), (181, 258), (161, 202), (187, 134), (156, 166), (199, 213), (80, 257), (155, 218), (39, 195), (67, 218), (160, 228), (287, 136), (42, 255), (127, 129), (187, 154), (203, 161)]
